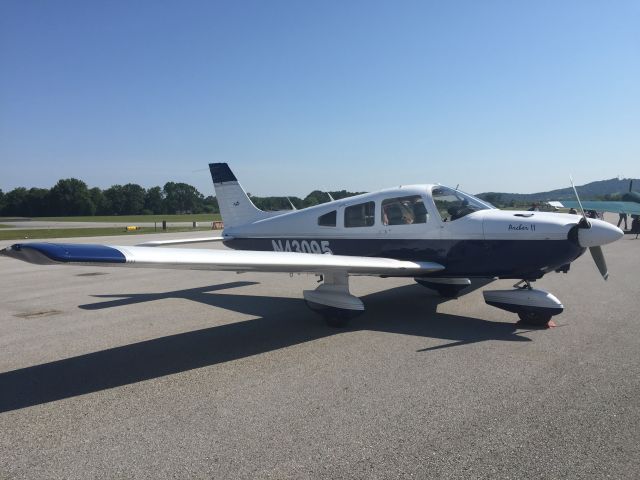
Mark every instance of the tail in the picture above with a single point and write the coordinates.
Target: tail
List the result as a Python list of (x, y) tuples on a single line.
[(236, 208)]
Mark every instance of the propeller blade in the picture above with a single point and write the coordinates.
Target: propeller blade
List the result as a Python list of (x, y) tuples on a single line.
[(598, 257), (584, 215)]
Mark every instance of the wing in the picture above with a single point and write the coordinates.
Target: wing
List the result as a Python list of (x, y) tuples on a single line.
[(183, 241), (203, 259), (601, 206)]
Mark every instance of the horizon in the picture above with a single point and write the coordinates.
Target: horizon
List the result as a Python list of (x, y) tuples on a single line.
[(295, 97), (336, 190)]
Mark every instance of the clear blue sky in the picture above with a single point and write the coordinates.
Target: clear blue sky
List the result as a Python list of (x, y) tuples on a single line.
[(295, 95)]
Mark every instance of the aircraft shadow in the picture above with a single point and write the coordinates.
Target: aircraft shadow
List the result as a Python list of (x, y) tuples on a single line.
[(408, 310)]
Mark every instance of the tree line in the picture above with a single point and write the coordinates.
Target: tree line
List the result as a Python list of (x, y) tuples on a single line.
[(72, 197)]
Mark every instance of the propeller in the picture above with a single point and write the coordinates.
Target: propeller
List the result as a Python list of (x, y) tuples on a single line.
[(598, 257), (584, 223), (594, 249)]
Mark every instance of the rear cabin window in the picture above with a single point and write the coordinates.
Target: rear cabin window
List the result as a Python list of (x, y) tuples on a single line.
[(361, 215), (328, 219), (403, 210)]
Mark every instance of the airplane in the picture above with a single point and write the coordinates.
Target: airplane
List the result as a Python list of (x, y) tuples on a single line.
[(439, 236), (629, 203)]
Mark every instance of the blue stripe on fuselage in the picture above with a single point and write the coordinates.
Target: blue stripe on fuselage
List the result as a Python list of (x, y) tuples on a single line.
[(68, 253), (465, 258)]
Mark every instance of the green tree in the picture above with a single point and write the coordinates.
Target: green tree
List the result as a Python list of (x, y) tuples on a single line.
[(492, 197), (315, 198), (115, 199), (182, 198), (99, 200), (133, 199), (15, 201), (211, 204), (36, 203), (153, 200), (70, 196)]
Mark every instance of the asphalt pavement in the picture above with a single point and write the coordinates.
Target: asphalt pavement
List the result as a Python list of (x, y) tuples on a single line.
[(140, 373)]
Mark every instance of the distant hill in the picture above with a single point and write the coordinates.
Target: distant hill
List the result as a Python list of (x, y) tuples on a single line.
[(591, 191)]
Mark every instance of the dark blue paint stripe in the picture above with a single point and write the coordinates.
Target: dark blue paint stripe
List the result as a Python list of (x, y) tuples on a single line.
[(529, 259), (66, 253), (220, 172)]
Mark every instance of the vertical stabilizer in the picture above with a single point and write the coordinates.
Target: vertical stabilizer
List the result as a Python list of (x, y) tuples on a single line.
[(235, 205)]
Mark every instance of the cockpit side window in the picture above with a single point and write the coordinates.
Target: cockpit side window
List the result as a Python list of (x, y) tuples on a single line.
[(454, 204), (404, 210), (360, 215), (328, 219)]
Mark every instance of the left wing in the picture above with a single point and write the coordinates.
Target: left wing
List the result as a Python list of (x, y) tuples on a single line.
[(203, 259), (183, 241), (632, 208)]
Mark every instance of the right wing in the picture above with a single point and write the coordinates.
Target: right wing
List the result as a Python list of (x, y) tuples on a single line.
[(632, 208), (202, 259)]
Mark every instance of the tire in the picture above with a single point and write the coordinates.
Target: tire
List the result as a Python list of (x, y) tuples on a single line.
[(534, 318)]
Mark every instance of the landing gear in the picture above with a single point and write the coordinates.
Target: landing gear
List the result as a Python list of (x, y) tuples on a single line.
[(446, 287), (534, 318), (334, 317), (534, 307), (333, 301)]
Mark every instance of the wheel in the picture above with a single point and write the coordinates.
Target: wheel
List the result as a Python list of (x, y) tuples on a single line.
[(534, 318)]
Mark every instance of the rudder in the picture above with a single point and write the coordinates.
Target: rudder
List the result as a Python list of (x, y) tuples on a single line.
[(236, 208)]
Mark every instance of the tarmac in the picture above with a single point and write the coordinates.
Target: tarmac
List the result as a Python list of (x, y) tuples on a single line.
[(139, 373)]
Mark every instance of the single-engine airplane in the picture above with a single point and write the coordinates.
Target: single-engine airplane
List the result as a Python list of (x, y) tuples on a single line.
[(437, 235)]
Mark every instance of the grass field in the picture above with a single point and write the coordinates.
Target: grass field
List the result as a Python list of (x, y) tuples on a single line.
[(200, 217), (33, 234)]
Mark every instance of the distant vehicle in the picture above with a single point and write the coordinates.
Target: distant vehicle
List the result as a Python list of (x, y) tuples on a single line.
[(437, 235), (629, 203)]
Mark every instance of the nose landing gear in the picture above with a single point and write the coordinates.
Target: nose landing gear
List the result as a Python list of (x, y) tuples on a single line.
[(533, 306)]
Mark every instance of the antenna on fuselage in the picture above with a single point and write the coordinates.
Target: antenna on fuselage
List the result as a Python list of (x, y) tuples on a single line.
[(293, 207), (332, 199)]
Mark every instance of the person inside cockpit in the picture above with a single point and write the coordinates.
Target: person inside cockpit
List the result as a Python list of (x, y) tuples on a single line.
[(454, 204)]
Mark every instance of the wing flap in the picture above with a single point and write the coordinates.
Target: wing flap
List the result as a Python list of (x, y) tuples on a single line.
[(183, 241), (204, 259)]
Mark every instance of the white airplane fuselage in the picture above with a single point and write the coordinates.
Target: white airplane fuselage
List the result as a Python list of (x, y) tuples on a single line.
[(487, 242)]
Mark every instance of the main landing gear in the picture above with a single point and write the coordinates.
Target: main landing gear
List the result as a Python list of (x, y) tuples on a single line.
[(533, 306), (446, 287), (333, 301)]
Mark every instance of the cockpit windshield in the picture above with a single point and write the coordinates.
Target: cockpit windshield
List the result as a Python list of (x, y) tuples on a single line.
[(453, 204)]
